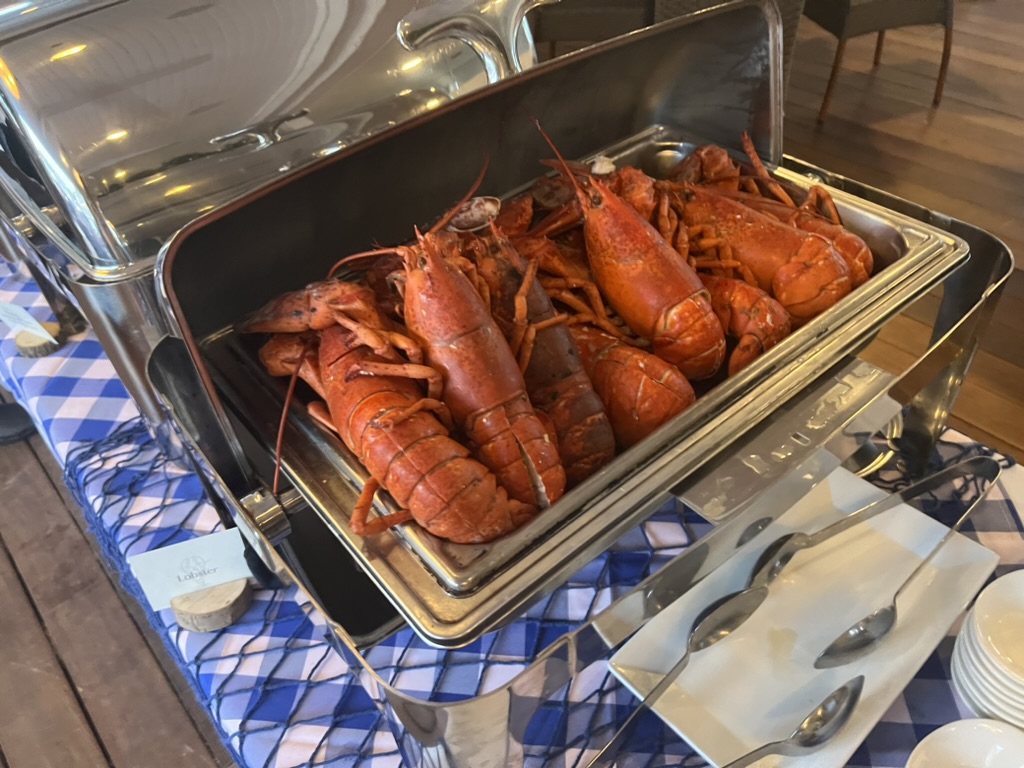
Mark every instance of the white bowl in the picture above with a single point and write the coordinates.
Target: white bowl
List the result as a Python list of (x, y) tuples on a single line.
[(999, 623), (970, 744)]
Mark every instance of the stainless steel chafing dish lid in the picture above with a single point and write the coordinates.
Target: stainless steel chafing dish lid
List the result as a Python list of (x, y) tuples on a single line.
[(142, 114)]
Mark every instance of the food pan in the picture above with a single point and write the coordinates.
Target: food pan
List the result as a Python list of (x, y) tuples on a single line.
[(710, 76)]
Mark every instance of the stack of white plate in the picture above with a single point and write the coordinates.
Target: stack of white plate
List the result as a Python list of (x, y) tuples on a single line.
[(988, 658)]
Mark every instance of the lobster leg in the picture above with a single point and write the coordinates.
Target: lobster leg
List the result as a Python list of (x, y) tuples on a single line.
[(818, 200), (436, 407), (435, 384), (530, 339), (522, 320), (762, 172), (318, 412), (359, 519)]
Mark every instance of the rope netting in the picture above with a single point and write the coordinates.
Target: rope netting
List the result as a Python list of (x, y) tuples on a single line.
[(282, 696), (278, 692)]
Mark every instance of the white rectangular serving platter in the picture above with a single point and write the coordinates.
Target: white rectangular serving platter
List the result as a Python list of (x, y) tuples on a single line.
[(758, 684)]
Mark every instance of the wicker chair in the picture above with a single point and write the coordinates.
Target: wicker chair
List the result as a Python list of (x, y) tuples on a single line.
[(850, 18)]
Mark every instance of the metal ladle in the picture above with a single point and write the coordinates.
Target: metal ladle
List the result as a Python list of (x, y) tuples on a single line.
[(859, 639), (715, 622), (823, 722)]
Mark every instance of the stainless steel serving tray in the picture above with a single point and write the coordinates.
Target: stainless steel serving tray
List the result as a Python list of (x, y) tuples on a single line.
[(705, 77), (446, 580)]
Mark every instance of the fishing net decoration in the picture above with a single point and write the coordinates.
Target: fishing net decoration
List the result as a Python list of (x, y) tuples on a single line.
[(279, 693)]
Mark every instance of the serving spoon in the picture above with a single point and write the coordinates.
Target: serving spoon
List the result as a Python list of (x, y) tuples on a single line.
[(778, 554), (860, 638), (715, 622), (821, 724)]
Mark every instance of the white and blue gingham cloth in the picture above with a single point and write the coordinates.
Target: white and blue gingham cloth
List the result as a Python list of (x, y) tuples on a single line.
[(279, 693)]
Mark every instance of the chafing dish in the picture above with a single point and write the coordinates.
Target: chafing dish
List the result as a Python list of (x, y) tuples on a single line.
[(656, 91), (452, 594)]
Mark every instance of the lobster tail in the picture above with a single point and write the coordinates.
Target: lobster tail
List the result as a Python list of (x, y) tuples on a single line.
[(449, 493), (640, 391), (749, 314)]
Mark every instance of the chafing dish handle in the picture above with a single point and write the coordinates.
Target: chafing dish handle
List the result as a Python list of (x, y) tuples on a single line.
[(35, 210), (491, 29)]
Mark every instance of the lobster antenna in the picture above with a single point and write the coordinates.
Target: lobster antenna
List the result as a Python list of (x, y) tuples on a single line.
[(446, 219), (775, 188), (356, 256), (280, 429), (565, 165)]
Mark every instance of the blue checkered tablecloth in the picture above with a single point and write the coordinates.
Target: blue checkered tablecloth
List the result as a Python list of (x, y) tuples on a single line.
[(281, 696)]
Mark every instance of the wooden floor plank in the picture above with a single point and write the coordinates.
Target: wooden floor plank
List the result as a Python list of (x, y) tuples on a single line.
[(200, 717), (41, 722), (993, 419), (962, 159), (133, 708)]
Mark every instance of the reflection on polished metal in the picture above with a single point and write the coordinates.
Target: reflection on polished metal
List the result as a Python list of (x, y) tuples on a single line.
[(264, 134), (486, 33), (835, 412), (23, 223), (875, 452), (270, 513)]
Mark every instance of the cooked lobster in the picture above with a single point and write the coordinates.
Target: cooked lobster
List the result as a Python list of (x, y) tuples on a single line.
[(482, 384), (800, 269), (754, 318), (388, 424), (646, 282), (555, 379)]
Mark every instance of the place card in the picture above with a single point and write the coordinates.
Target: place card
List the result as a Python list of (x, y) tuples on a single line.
[(190, 566), (18, 319)]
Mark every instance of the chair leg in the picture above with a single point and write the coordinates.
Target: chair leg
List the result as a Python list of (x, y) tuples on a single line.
[(944, 66), (840, 48), (878, 47)]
